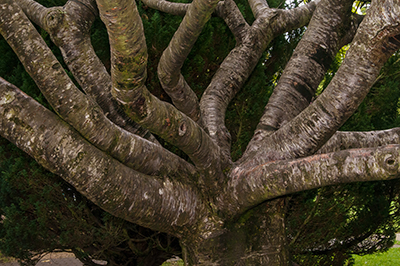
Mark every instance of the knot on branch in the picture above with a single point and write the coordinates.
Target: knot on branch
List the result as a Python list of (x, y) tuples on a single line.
[(390, 163), (54, 18)]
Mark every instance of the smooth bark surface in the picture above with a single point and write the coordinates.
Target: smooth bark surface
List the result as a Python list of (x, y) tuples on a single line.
[(223, 212)]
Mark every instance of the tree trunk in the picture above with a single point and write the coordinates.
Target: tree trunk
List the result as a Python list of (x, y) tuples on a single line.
[(255, 238)]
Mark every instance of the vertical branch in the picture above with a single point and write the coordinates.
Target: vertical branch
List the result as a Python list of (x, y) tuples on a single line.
[(258, 6), (377, 38), (129, 59), (75, 107), (172, 59)]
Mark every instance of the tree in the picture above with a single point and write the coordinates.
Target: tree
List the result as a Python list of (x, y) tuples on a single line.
[(100, 134)]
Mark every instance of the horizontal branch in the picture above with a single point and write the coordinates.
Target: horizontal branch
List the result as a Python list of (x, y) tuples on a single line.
[(159, 204), (343, 140), (78, 109), (251, 186)]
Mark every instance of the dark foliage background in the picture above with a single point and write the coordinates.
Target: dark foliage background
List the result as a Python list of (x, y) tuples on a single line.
[(41, 213)]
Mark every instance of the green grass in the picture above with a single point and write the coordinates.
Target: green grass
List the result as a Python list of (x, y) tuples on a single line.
[(389, 258), (175, 263)]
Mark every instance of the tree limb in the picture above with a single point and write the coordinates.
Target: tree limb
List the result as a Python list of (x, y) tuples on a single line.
[(251, 186), (308, 65), (237, 67), (173, 57), (230, 13), (78, 109), (258, 6), (159, 204), (376, 40), (71, 33), (35, 11), (343, 140), (129, 58), (172, 8)]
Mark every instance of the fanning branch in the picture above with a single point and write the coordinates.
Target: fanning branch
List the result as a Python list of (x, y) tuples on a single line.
[(376, 40), (159, 204), (308, 64), (129, 59), (249, 187), (239, 64), (78, 109), (173, 57), (70, 31)]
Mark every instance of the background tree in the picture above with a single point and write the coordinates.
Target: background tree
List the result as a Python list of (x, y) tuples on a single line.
[(239, 195)]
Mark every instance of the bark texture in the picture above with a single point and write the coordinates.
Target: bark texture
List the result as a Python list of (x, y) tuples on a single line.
[(223, 212)]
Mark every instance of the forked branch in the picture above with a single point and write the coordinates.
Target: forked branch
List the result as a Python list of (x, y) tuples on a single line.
[(129, 59), (75, 107), (108, 183), (376, 40), (173, 57), (250, 187), (70, 31)]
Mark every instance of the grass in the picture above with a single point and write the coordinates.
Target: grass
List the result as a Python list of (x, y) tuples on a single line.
[(173, 263), (389, 258)]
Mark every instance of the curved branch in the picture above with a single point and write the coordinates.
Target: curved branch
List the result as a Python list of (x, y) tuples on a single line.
[(376, 40), (35, 11), (173, 57), (237, 67), (161, 205), (178, 9), (230, 13), (71, 33), (249, 187), (308, 64), (78, 109), (129, 58)]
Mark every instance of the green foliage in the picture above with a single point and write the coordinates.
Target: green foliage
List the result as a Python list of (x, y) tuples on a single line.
[(358, 218), (349, 219), (41, 213), (388, 258)]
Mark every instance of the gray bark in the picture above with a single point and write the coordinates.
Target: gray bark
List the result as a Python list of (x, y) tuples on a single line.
[(224, 213)]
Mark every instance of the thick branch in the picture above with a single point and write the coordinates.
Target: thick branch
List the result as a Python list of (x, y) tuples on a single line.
[(70, 31), (173, 57), (230, 13), (178, 9), (249, 187), (355, 140), (308, 64), (258, 6), (237, 67), (376, 40), (34, 10), (129, 58), (78, 109), (162, 205)]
